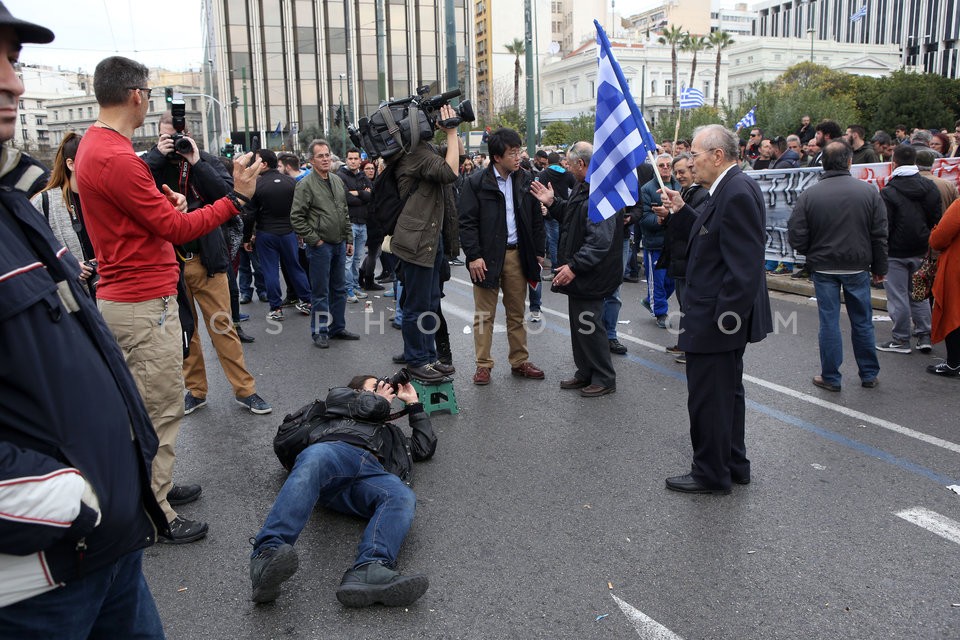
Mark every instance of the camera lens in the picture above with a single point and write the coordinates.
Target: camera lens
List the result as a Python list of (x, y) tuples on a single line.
[(183, 145), (399, 379)]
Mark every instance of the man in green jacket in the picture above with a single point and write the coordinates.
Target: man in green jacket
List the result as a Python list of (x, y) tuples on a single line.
[(319, 216)]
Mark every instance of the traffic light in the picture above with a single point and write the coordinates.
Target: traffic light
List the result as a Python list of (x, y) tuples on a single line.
[(228, 150), (235, 102), (168, 95)]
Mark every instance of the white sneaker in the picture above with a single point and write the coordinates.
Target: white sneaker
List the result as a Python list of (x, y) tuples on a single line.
[(352, 298), (536, 316), (276, 315), (360, 294)]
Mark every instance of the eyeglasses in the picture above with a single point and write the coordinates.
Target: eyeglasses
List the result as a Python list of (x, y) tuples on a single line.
[(664, 166), (513, 153), (147, 89), (754, 134), (697, 153)]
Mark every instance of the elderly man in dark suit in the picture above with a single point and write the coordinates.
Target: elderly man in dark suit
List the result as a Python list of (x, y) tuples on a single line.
[(725, 306)]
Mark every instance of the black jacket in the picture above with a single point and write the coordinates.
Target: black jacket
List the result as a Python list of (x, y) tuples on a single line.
[(562, 180), (726, 304), (678, 225), (358, 205), (913, 209), (203, 183), (360, 418), (483, 224), (269, 210), (840, 223), (69, 408), (593, 250)]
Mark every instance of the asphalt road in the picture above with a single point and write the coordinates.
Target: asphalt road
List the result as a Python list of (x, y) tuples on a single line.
[(544, 515)]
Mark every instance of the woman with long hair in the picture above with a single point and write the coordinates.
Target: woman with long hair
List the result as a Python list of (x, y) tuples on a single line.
[(59, 203)]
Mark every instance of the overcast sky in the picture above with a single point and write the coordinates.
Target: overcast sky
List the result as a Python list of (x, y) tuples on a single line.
[(164, 33)]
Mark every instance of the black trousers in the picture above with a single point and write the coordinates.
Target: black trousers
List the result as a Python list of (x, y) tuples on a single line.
[(715, 402), (591, 350), (953, 348)]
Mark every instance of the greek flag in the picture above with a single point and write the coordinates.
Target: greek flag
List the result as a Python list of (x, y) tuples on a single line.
[(278, 130), (748, 120), (691, 98), (859, 15), (621, 139)]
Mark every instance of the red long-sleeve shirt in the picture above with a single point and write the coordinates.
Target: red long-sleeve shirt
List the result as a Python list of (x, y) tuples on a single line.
[(133, 226)]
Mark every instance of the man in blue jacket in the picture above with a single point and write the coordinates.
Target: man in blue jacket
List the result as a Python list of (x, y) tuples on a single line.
[(76, 443)]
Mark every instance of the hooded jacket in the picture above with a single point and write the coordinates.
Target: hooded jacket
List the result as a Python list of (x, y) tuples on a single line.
[(913, 209)]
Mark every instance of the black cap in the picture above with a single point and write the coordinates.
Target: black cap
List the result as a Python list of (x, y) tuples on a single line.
[(26, 31)]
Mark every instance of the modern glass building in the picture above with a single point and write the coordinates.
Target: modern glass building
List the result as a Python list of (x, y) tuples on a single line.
[(292, 62)]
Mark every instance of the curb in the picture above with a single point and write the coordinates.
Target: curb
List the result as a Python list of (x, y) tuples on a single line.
[(804, 287)]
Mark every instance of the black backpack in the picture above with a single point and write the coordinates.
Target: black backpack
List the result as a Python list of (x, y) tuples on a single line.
[(387, 203), (293, 435)]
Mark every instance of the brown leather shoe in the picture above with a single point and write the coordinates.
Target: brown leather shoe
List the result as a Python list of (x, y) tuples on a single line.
[(573, 383), (595, 391), (528, 370), (482, 376)]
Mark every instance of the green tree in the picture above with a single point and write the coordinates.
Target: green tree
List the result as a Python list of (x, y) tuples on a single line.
[(690, 120), (673, 36), (924, 100), (583, 126), (694, 45), (557, 133), (513, 119), (719, 40), (517, 48)]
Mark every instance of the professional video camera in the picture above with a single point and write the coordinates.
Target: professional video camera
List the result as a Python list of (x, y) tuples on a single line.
[(180, 144), (399, 125)]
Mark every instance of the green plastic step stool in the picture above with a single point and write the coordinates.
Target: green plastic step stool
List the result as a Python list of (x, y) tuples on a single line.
[(437, 397)]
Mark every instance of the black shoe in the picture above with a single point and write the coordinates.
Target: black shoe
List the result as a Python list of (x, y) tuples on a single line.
[(191, 403), (269, 569), (373, 286), (818, 381), (445, 369), (631, 279), (686, 484), (739, 479), (870, 384), (376, 583), (345, 335), (662, 321), (183, 494), (617, 348), (245, 299), (183, 531), (426, 373), (290, 301), (320, 341), (384, 278), (399, 359), (244, 338), (803, 273)]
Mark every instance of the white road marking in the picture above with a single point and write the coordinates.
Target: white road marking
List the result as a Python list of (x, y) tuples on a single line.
[(932, 522), (464, 314), (647, 628), (799, 395)]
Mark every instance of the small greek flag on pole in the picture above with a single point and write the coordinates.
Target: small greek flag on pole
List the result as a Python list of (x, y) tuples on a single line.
[(691, 98), (859, 15), (748, 120), (621, 139)]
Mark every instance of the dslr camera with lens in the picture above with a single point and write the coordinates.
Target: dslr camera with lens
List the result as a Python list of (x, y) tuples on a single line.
[(181, 144), (399, 125), (397, 380)]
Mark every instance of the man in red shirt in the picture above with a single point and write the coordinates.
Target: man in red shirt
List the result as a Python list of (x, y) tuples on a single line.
[(133, 228)]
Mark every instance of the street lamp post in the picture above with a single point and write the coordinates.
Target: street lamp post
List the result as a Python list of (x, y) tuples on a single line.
[(343, 118), (811, 32)]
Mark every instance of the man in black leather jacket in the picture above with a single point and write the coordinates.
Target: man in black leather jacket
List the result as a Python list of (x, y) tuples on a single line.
[(357, 463)]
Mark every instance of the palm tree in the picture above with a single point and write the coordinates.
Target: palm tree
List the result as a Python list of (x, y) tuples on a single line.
[(694, 44), (719, 40), (674, 37), (517, 48)]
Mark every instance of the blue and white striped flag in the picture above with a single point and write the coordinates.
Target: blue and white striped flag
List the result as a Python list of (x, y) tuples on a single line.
[(748, 120), (691, 98), (621, 139), (859, 15)]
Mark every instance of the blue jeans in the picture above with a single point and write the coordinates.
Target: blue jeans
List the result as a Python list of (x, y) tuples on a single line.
[(250, 274), (272, 249), (856, 291), (397, 293), (111, 602), (536, 296), (352, 275), (350, 480), (420, 298), (552, 228), (662, 283), (611, 313), (328, 295)]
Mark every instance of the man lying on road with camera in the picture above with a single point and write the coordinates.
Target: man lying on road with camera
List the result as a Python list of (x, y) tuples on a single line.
[(357, 463)]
